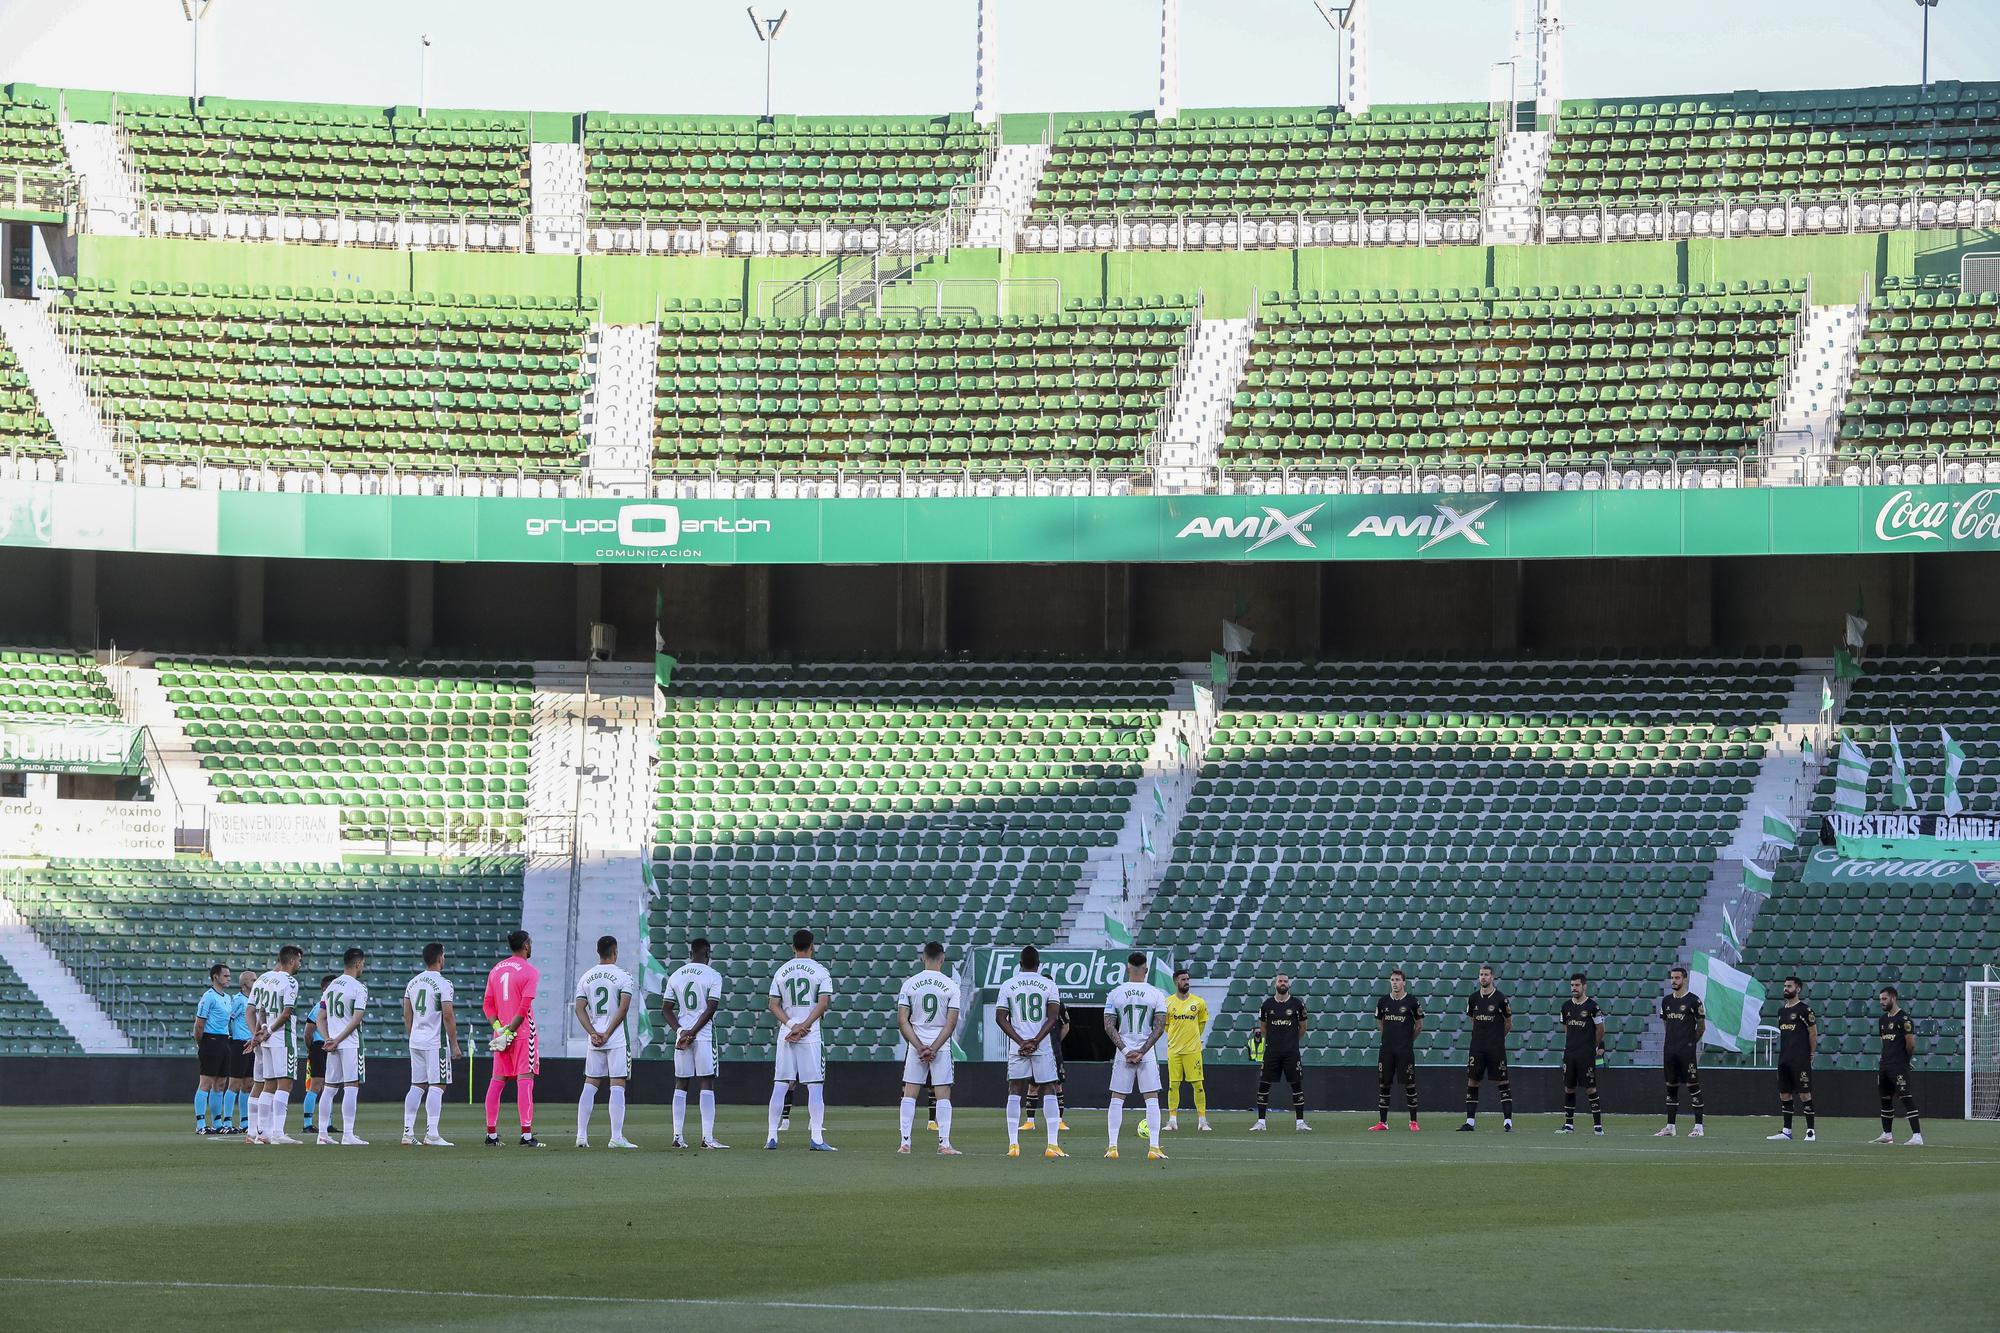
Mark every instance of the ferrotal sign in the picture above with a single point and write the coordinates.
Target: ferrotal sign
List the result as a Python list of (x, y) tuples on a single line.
[(1906, 517)]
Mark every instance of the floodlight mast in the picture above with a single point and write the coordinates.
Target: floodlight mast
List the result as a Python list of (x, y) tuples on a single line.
[(767, 31), (1927, 6), (1349, 23), (424, 79), (196, 12)]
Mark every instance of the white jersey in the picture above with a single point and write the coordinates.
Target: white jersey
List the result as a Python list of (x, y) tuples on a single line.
[(344, 1000), (1136, 1006), (1028, 997), (797, 987), (691, 987), (273, 993), (428, 994), (600, 989), (929, 996)]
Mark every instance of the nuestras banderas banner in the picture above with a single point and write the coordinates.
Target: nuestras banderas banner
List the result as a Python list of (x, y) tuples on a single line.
[(1914, 837), (70, 747)]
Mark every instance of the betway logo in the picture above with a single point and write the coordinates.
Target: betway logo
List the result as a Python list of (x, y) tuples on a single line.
[(1447, 523), (645, 525), (1903, 516), (1263, 531)]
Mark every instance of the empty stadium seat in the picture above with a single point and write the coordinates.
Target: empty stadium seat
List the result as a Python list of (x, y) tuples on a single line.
[(1926, 383)]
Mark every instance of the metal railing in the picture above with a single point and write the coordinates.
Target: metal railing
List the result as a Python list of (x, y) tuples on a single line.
[(33, 190), (638, 234), (1195, 229), (1635, 472), (1785, 215)]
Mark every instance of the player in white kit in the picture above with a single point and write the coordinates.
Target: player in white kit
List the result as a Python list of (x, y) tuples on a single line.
[(927, 1015), (603, 998), (274, 1066), (429, 1024), (1029, 1007), (1135, 1016), (694, 994), (800, 993), (345, 1002)]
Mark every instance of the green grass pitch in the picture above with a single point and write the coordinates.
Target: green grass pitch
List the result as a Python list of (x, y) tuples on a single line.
[(111, 1217)]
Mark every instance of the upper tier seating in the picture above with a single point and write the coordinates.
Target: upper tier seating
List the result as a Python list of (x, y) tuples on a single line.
[(1264, 163), (247, 377), (881, 806), (39, 683), (32, 161), (159, 926), (1927, 382), (1541, 817), (877, 395), (403, 748), (789, 171), (1865, 142), (1496, 376), (329, 159), (26, 1025), (25, 431)]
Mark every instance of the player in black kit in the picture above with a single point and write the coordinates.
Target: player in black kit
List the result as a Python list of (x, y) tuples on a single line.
[(1583, 1047), (1685, 1021), (1492, 1019), (1798, 1042), (1281, 1022), (1899, 1042), (1399, 1017)]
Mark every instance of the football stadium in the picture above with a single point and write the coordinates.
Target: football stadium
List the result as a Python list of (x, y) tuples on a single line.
[(715, 717)]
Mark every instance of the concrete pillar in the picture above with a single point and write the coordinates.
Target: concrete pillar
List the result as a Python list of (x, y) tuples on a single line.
[(1353, 42), (589, 606), (80, 601), (1308, 599), (985, 65), (420, 607), (1117, 609), (921, 607), (757, 611), (247, 624), (1506, 605), (1903, 626), (1168, 104), (1698, 596)]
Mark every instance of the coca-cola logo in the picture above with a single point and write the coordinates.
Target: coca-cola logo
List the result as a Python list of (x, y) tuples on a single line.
[(1904, 515)]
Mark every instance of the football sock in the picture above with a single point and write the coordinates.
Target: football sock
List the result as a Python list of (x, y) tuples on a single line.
[(1263, 1097), (816, 1111), (412, 1100), (680, 1111), (311, 1107), (1786, 1107), (258, 1101), (1153, 1119), (1888, 1113), (1173, 1088), (906, 1114), (1013, 1119), (350, 1097), (1673, 1102), (1808, 1110), (1410, 1090), (617, 1111), (524, 1099), (1201, 1099), (237, 1104), (584, 1105), (944, 1121), (1382, 1101), (1052, 1119), (778, 1096), (1694, 1097), (1114, 1119), (494, 1087), (1910, 1111), (708, 1113), (280, 1103), (1569, 1106), (1471, 1100), (201, 1109), (433, 1107), (1596, 1107), (1506, 1100), (1298, 1100)]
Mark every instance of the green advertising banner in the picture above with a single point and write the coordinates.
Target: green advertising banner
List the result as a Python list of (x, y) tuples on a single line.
[(69, 747), (1085, 975), (1827, 866), (1825, 520)]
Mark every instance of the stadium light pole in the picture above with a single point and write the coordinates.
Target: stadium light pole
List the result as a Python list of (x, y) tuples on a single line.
[(424, 79), (197, 13), (1927, 6), (767, 31)]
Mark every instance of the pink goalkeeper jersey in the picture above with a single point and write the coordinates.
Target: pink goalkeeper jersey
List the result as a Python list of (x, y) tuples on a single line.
[(510, 991)]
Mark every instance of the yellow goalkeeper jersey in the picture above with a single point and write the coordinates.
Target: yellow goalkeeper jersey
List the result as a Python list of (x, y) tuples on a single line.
[(1187, 1019)]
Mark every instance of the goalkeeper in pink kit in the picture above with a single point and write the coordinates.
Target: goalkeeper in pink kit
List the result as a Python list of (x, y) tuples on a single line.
[(510, 1007)]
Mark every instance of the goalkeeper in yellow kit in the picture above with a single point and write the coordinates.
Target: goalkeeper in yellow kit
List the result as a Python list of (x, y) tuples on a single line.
[(1187, 1025)]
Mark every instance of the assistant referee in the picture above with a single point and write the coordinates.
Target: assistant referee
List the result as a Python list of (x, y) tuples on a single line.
[(211, 1046)]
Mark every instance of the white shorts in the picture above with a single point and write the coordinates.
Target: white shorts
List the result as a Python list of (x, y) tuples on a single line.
[(800, 1061), (272, 1061), (430, 1068), (608, 1061), (937, 1072), (345, 1065), (1128, 1078), (697, 1060), (1038, 1068)]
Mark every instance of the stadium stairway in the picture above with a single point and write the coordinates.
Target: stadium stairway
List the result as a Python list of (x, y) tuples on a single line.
[(56, 987), (146, 705), (556, 185), (1203, 402), (1514, 189), (89, 449), (1815, 392), (622, 362), (99, 155), (1007, 195)]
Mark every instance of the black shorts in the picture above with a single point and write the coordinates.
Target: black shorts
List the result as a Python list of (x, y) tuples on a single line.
[(1795, 1078), (1484, 1064), (212, 1051), (1389, 1064), (1282, 1065), (1892, 1085), (1579, 1071), (316, 1061), (242, 1063), (1683, 1068)]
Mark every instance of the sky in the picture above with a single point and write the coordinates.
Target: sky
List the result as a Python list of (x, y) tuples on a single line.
[(911, 56)]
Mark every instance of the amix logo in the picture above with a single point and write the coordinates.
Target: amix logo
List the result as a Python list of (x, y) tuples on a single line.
[(646, 526), (1447, 523), (1262, 531)]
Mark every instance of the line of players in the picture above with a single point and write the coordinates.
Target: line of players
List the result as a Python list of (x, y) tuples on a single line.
[(254, 1026)]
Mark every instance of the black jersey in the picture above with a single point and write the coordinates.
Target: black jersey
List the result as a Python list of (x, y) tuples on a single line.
[(1580, 1020), (1399, 1022), (1685, 1020), (1489, 1015), (1895, 1054), (1282, 1020), (1795, 1024)]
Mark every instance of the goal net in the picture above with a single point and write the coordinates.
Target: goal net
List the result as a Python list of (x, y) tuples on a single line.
[(1982, 1049)]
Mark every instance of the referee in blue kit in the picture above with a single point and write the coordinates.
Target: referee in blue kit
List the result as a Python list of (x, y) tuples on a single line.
[(211, 1044)]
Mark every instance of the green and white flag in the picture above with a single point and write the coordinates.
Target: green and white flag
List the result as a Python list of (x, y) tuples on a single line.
[(653, 973), (1146, 838), (1779, 828), (1845, 667), (1733, 1001), (1218, 668), (1850, 779), (1825, 695), (1954, 760), (1758, 880), (1730, 935), (663, 665), (1857, 633), (1901, 794), (1119, 936), (1236, 639), (1159, 803)]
